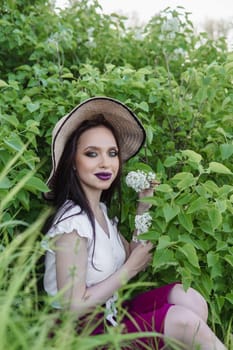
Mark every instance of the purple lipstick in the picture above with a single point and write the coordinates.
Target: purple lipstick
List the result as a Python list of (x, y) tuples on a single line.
[(103, 176)]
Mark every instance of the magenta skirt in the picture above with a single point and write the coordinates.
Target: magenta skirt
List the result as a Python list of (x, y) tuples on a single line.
[(145, 313)]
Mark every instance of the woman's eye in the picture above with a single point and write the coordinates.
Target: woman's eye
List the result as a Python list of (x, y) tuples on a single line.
[(113, 153), (91, 154)]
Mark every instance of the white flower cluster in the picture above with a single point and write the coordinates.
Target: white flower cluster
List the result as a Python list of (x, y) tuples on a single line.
[(143, 222), (139, 180), (171, 25)]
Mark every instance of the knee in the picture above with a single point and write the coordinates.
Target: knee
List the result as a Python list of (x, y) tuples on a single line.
[(180, 320), (180, 316), (200, 306), (190, 299)]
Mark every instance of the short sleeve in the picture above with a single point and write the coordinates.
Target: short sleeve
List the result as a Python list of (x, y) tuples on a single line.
[(70, 220)]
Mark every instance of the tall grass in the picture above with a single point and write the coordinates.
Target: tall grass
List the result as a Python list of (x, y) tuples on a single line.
[(27, 320), (26, 317)]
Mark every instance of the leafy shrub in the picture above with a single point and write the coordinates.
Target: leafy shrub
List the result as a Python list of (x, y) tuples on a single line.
[(180, 85)]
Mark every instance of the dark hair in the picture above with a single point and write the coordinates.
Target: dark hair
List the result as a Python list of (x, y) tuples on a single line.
[(66, 185)]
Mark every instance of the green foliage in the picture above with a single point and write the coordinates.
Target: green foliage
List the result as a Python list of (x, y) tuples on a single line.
[(179, 84)]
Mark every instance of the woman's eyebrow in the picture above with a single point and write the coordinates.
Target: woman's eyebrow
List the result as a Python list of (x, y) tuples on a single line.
[(97, 148)]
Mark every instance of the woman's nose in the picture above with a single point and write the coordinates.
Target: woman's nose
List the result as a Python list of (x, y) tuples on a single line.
[(104, 162)]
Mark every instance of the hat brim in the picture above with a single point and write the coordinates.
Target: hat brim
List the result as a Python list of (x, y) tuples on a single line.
[(129, 129)]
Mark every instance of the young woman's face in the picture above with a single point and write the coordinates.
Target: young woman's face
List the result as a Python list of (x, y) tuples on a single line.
[(97, 160)]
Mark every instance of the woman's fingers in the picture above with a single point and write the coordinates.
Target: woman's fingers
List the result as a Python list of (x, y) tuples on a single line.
[(149, 191), (154, 183), (149, 245)]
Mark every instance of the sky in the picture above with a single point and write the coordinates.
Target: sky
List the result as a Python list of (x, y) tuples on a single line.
[(145, 9), (200, 9)]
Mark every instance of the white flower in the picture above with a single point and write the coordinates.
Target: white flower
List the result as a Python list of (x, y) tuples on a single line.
[(139, 180), (171, 25), (143, 222), (90, 31)]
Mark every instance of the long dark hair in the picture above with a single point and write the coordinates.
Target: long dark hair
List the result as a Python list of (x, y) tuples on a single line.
[(66, 184)]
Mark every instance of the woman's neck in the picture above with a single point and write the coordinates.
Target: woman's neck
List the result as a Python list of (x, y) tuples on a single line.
[(93, 198)]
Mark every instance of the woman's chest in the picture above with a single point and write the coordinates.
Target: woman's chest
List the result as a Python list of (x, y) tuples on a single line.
[(106, 258)]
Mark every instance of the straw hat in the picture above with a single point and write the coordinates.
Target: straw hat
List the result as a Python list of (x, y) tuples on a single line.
[(130, 130)]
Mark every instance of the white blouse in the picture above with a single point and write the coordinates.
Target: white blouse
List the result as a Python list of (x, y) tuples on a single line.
[(109, 253)]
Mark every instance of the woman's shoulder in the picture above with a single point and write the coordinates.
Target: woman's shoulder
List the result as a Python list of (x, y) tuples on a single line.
[(68, 209), (70, 217)]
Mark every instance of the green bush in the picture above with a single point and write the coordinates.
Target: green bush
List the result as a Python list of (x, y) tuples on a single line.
[(179, 84)]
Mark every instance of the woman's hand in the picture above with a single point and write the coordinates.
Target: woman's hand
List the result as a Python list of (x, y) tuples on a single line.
[(149, 192), (139, 259)]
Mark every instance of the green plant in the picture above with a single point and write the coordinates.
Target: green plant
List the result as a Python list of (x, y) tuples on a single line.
[(179, 83)]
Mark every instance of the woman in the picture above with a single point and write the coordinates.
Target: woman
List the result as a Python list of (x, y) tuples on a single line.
[(88, 260)]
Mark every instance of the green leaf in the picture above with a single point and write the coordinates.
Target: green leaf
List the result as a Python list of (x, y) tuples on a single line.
[(163, 258), (186, 238), (210, 186), (32, 107), (67, 76), (144, 106), (226, 150), (32, 126), (170, 161), (13, 223), (186, 221), (215, 217), (206, 282), (186, 277), (184, 179), (151, 235), (144, 71), (212, 259), (229, 297), (201, 95), (221, 246), (34, 183), (193, 156), (23, 197), (206, 226), (229, 259), (225, 190), (11, 118), (5, 183), (159, 225), (197, 205), (164, 242), (229, 63), (221, 205), (3, 83), (14, 142), (149, 134), (26, 99), (137, 84), (219, 168), (170, 211), (214, 264), (164, 188), (190, 253), (184, 198)]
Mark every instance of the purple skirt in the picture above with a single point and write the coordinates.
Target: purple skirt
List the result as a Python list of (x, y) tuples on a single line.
[(144, 313)]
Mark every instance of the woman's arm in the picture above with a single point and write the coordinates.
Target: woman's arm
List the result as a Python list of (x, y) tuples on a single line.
[(71, 268), (126, 245)]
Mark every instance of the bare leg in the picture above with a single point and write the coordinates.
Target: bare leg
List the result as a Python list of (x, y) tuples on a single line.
[(187, 327), (190, 299)]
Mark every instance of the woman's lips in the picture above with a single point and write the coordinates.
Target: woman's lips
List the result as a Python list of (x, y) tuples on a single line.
[(104, 176)]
